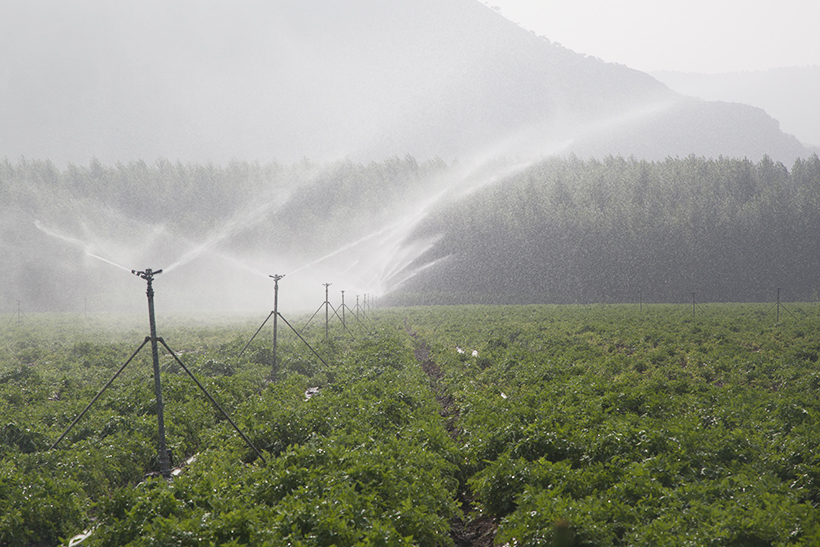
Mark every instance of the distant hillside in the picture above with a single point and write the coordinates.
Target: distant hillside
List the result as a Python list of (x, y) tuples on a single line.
[(322, 79), (787, 94)]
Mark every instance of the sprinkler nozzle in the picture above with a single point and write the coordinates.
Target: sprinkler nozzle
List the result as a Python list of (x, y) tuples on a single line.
[(148, 274)]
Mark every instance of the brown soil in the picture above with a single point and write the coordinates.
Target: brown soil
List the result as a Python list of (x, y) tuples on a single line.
[(469, 530)]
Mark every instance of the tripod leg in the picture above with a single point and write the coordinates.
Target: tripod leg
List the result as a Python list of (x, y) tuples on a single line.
[(97, 396), (303, 340), (254, 334), (336, 313), (314, 315), (217, 405)]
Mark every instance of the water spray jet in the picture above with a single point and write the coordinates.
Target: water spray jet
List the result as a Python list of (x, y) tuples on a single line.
[(86, 247), (397, 251), (230, 228)]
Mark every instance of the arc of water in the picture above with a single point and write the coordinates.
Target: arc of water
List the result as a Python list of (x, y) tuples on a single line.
[(230, 228), (86, 247)]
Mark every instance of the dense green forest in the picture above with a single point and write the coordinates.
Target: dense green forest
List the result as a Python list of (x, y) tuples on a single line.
[(562, 230), (624, 230)]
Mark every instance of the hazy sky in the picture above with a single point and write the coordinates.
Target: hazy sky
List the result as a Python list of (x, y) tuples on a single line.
[(693, 35)]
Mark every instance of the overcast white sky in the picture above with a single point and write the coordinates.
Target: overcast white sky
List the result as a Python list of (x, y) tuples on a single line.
[(693, 36)]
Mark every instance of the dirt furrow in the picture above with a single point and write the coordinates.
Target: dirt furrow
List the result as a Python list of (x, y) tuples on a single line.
[(467, 531)]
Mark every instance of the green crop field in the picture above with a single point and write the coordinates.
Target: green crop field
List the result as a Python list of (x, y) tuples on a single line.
[(523, 425)]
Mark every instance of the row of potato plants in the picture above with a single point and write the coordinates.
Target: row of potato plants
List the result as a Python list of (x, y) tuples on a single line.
[(636, 425), (365, 461), (577, 425)]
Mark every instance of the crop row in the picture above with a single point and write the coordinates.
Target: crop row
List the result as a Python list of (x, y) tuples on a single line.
[(364, 460), (630, 426), (615, 425)]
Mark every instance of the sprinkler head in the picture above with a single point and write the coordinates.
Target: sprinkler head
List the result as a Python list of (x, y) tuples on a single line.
[(148, 274), (277, 277)]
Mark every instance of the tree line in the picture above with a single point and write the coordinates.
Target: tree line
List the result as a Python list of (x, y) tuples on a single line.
[(563, 230), (303, 209), (626, 230)]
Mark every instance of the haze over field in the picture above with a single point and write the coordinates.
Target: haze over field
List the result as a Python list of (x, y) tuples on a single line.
[(445, 98)]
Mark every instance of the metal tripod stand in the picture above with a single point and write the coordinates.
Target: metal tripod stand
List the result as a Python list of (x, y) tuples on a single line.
[(276, 315), (164, 453)]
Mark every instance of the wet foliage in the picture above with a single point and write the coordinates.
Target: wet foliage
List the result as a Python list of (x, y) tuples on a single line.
[(636, 425), (572, 425), (364, 459)]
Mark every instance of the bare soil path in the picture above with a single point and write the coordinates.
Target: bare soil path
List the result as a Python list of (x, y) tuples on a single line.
[(469, 530)]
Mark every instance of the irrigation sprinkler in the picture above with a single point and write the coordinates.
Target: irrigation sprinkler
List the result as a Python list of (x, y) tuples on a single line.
[(276, 278), (780, 305), (276, 315), (344, 307), (355, 315), (164, 456), (164, 453), (372, 302), (328, 306), (18, 314)]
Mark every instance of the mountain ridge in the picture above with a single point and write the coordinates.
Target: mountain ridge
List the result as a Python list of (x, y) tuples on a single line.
[(785, 93), (364, 80)]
